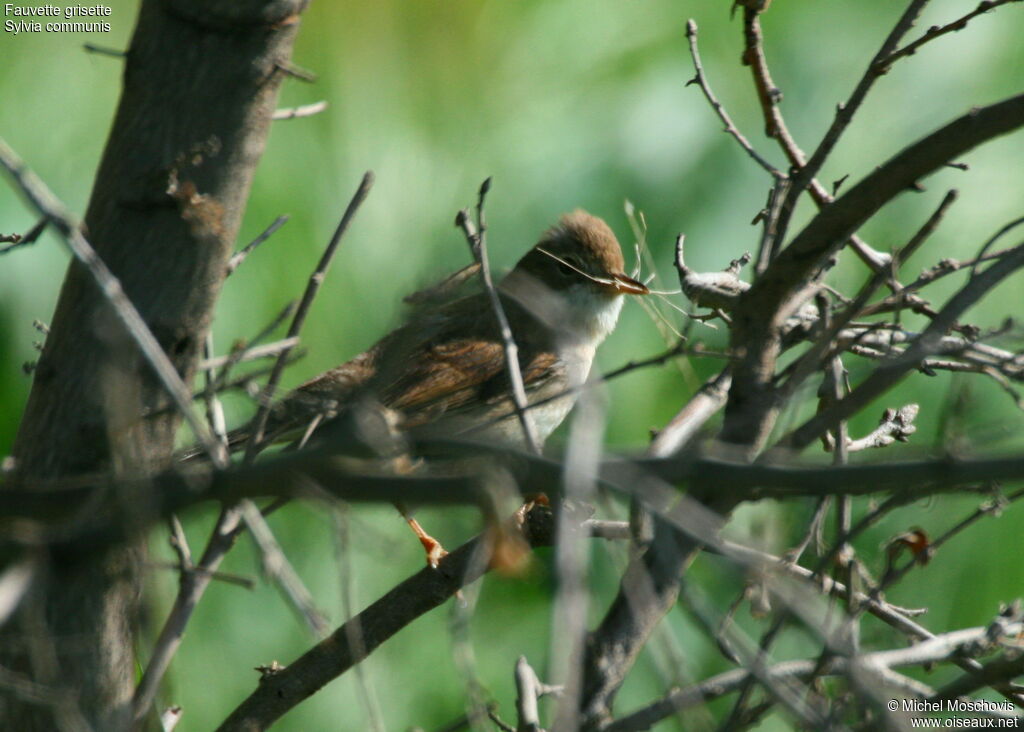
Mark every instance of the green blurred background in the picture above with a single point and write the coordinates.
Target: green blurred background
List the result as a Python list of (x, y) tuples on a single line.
[(566, 103)]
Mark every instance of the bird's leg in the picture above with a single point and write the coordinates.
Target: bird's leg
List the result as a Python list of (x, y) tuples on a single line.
[(435, 552)]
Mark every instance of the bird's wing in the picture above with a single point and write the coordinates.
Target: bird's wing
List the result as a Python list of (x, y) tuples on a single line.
[(432, 367), (453, 376), (318, 398)]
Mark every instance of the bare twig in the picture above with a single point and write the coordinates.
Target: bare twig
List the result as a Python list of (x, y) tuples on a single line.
[(296, 72), (572, 557), (527, 692), (685, 426), (890, 372), (343, 548), (701, 80), (940, 648), (252, 353), (844, 115), (981, 255), (22, 240), (305, 110), (230, 523), (216, 385), (797, 264), (280, 570), (238, 257), (935, 31), (775, 127), (407, 601), (226, 577), (478, 246), (315, 280), (104, 50), (896, 425)]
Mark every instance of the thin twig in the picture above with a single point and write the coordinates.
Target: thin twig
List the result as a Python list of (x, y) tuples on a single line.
[(940, 648), (238, 257), (252, 353), (845, 113), (924, 345), (305, 110), (701, 80), (104, 50), (22, 240), (936, 30), (238, 355), (280, 570), (775, 127), (527, 692), (296, 72), (313, 286), (230, 522), (980, 256), (477, 239), (226, 577), (346, 569)]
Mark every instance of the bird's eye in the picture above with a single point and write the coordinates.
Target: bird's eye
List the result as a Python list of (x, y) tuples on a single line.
[(568, 268)]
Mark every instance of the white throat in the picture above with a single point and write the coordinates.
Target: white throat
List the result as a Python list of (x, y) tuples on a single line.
[(590, 315)]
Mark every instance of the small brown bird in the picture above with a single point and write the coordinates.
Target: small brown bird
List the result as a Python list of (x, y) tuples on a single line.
[(444, 371)]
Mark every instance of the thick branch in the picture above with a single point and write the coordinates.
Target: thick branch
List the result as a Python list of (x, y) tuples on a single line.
[(763, 309), (419, 594), (163, 216), (82, 517)]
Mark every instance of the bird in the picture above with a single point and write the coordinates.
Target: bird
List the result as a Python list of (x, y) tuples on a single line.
[(443, 372)]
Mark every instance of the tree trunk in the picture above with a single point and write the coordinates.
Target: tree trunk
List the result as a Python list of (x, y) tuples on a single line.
[(200, 84)]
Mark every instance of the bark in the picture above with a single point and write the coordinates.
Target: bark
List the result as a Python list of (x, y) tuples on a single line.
[(200, 85)]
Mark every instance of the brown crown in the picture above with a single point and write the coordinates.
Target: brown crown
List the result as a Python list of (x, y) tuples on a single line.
[(583, 241), (580, 230)]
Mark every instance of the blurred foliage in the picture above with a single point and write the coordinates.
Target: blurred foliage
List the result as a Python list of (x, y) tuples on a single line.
[(566, 103)]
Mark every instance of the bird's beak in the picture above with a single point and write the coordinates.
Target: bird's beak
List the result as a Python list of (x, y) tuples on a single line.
[(628, 286)]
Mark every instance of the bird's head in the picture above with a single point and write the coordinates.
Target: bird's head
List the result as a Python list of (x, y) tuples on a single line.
[(575, 273)]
